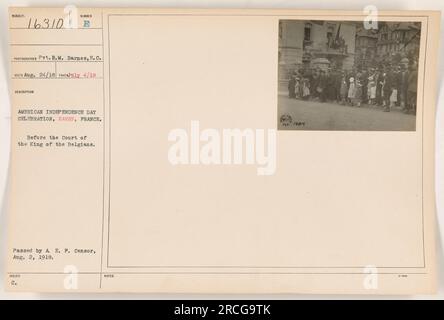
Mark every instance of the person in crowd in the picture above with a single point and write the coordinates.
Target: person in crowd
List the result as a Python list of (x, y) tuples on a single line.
[(305, 89), (292, 87), (364, 83), (322, 86), (314, 84), (329, 85), (358, 91), (393, 97), (297, 88), (379, 79), (387, 86), (351, 91), (412, 89), (302, 75), (396, 77), (307, 77), (337, 78), (371, 90), (344, 89), (403, 87)]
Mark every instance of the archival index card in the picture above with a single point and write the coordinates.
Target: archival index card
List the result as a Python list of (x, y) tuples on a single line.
[(222, 151)]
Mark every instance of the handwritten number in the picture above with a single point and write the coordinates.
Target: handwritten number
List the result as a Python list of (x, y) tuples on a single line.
[(46, 23)]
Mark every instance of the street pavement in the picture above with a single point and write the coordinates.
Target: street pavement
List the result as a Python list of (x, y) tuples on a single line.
[(294, 114)]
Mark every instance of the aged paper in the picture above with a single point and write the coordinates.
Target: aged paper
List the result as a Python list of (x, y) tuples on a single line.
[(222, 151)]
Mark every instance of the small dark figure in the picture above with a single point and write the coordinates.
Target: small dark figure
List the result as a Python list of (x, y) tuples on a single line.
[(292, 87)]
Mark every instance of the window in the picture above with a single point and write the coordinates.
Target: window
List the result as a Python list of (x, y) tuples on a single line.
[(307, 32), (330, 33)]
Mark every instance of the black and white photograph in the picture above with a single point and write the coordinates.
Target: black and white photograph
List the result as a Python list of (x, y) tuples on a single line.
[(346, 75)]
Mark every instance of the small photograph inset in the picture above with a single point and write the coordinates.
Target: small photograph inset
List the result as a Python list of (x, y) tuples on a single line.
[(340, 75)]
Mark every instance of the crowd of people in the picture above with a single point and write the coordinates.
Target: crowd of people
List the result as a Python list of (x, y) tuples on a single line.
[(387, 86)]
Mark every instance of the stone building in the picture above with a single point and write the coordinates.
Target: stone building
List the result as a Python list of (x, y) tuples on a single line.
[(324, 44), (366, 48), (315, 44), (398, 41)]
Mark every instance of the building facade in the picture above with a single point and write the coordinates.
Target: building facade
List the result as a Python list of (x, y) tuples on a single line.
[(344, 45), (315, 44), (366, 48), (398, 41)]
